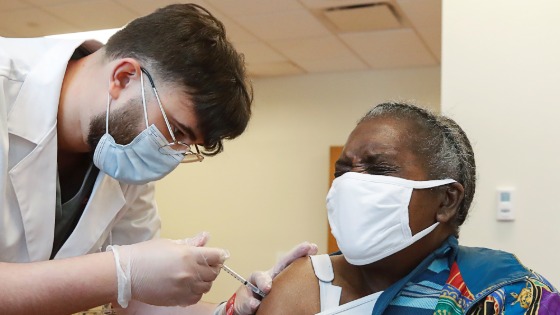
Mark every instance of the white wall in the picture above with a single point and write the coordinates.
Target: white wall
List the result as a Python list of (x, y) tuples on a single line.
[(500, 81), (266, 192)]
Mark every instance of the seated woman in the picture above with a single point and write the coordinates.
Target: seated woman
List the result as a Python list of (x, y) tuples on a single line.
[(405, 181)]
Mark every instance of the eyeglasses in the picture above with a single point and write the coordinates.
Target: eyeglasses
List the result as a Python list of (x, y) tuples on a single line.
[(189, 155)]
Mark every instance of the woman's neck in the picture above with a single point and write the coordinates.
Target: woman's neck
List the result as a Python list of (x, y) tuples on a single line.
[(364, 280)]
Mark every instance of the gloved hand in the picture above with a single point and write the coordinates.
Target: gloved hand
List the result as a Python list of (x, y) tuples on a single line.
[(244, 301), (166, 272)]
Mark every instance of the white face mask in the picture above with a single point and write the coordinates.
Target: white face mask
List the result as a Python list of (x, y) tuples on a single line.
[(147, 158), (368, 215)]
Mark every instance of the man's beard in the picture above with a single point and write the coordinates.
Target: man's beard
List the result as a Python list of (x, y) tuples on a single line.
[(124, 124)]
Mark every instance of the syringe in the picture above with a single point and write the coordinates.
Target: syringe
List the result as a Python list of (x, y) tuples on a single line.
[(245, 282)]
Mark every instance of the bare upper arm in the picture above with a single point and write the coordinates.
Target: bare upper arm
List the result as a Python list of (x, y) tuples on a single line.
[(294, 291)]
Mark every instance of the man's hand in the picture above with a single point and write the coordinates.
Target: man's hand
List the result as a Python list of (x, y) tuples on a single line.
[(244, 301), (165, 272)]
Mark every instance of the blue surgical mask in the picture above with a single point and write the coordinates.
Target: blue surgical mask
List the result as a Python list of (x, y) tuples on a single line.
[(147, 158)]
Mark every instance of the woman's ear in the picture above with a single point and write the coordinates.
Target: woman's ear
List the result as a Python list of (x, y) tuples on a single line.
[(124, 72), (452, 195)]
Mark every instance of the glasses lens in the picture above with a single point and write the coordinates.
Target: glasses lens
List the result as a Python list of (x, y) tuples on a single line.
[(180, 147), (185, 149), (192, 157)]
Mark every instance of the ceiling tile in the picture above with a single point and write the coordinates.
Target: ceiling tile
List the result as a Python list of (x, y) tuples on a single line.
[(273, 69), (287, 36), (50, 2), (283, 25), (425, 17), (254, 7), (322, 4), (234, 32), (320, 54), (8, 33), (33, 22), (259, 53), (92, 14), (144, 7), (13, 5), (390, 49), (101, 36), (363, 19)]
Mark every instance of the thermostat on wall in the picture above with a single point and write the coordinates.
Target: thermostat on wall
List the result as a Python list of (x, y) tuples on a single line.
[(505, 204)]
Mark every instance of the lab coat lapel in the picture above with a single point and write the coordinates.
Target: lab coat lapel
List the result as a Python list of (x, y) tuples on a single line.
[(34, 183), (33, 118), (106, 200)]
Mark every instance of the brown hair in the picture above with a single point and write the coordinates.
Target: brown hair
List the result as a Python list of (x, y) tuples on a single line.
[(185, 44)]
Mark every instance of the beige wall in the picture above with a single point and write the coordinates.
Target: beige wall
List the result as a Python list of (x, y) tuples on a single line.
[(266, 192), (500, 80), (500, 72)]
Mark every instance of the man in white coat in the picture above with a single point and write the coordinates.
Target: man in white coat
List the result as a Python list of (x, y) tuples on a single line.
[(84, 131)]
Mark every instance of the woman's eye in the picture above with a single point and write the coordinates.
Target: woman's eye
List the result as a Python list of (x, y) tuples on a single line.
[(380, 170)]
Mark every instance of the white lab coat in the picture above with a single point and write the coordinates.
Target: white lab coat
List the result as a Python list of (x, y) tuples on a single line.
[(31, 73)]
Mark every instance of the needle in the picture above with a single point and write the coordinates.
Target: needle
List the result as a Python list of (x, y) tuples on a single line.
[(245, 282)]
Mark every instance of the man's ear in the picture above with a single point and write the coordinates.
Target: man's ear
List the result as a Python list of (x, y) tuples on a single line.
[(452, 195), (123, 73)]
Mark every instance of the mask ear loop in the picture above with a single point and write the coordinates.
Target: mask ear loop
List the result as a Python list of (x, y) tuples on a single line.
[(160, 106), (144, 99), (164, 115)]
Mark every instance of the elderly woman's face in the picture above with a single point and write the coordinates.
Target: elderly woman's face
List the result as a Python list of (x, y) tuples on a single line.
[(385, 146)]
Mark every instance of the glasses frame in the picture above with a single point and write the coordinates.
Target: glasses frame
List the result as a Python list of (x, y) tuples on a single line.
[(189, 156)]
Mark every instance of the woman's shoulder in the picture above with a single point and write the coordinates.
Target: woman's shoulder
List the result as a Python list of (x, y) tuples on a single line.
[(294, 291)]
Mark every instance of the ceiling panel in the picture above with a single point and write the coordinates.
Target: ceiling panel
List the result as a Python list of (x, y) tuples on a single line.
[(144, 7), (274, 69), (320, 54), (323, 4), (362, 19), (8, 33), (92, 14), (425, 16), (32, 22), (254, 7), (283, 25), (259, 52), (234, 31), (390, 49), (13, 4), (287, 36), (49, 2)]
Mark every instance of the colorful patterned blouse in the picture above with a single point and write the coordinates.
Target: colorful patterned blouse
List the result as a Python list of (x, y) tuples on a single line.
[(457, 280)]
